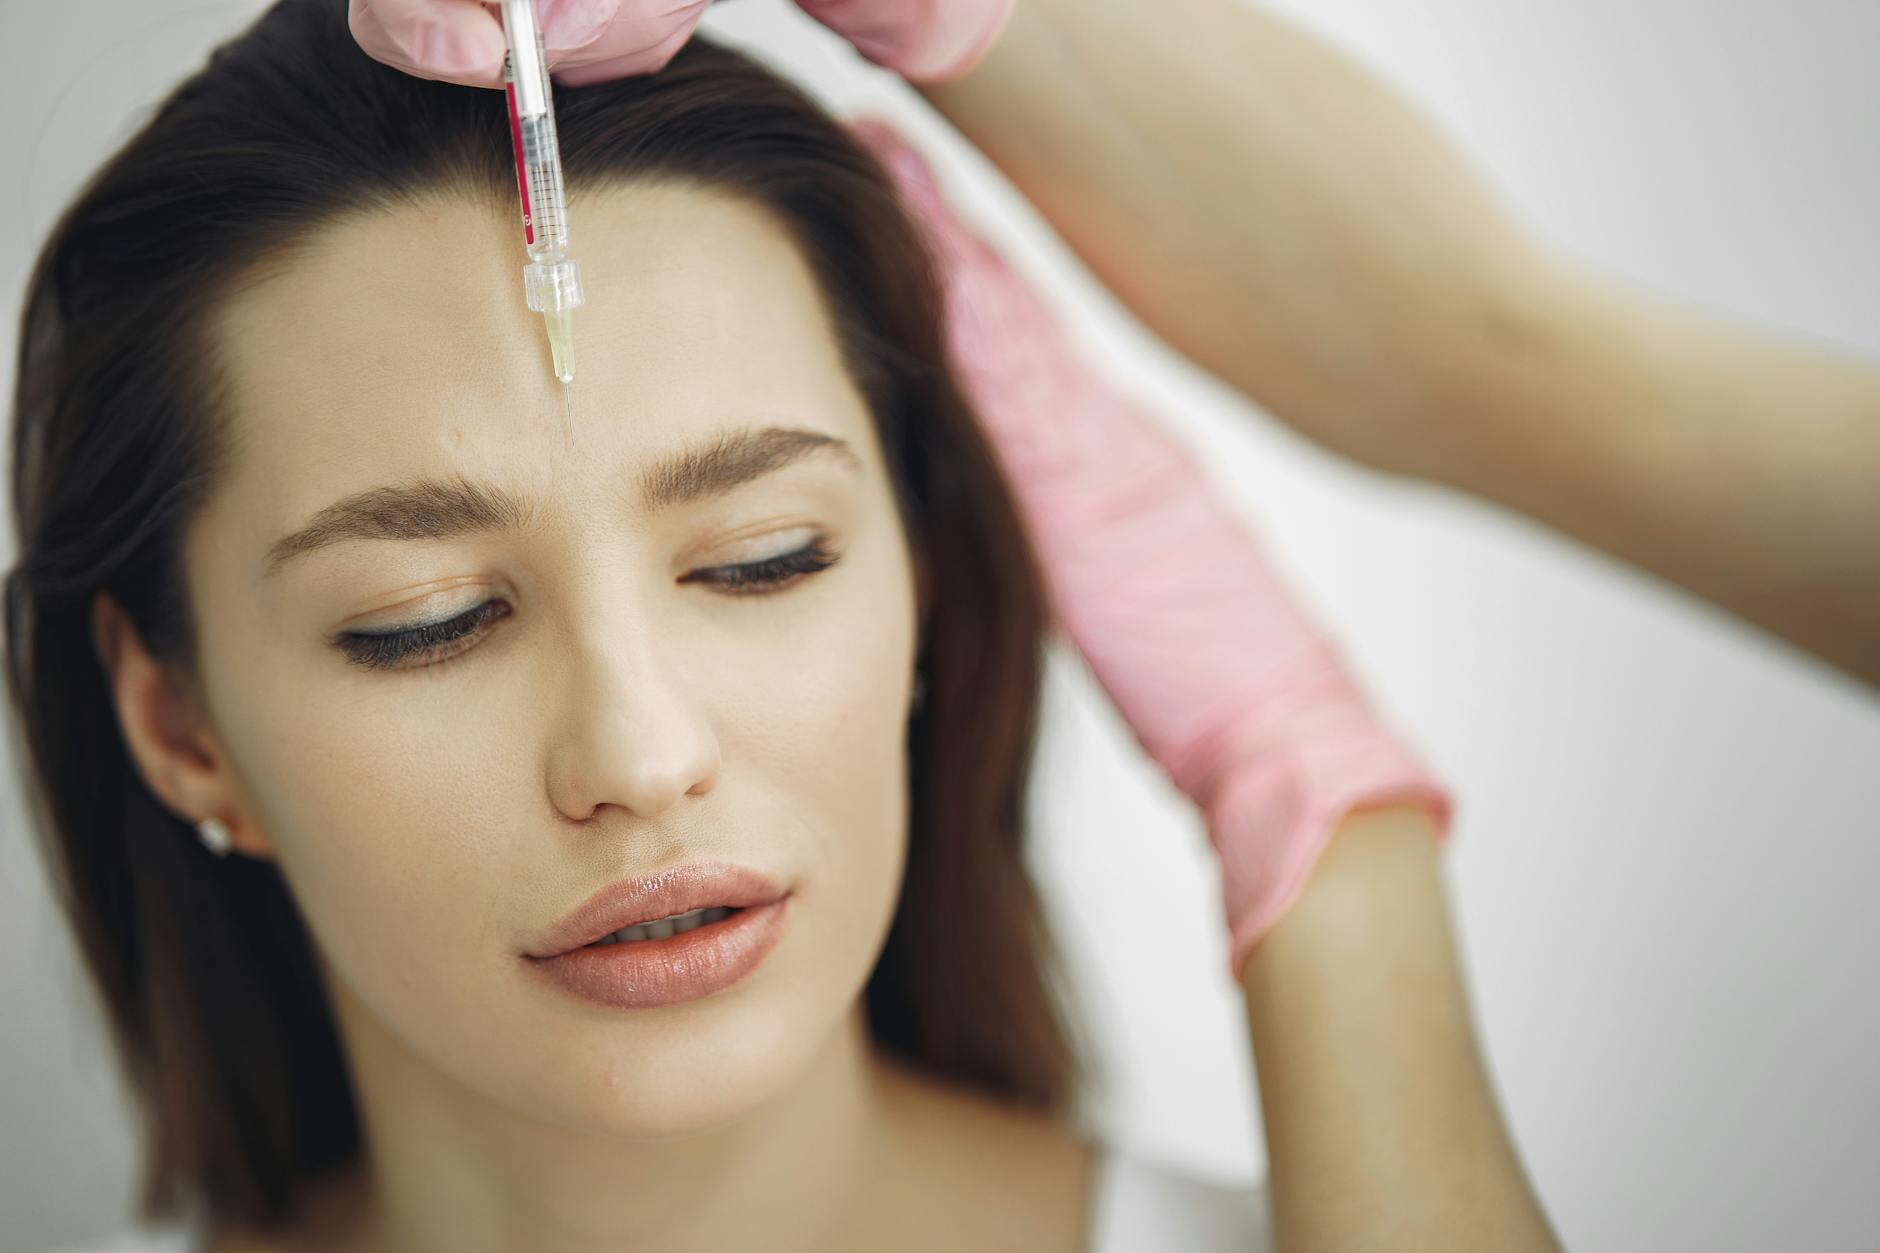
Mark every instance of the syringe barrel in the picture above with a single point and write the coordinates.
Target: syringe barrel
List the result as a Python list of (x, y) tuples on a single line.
[(532, 127), (544, 200)]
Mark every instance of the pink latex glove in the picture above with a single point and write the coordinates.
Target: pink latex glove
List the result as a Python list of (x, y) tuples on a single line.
[(924, 41), (1225, 682), (589, 41)]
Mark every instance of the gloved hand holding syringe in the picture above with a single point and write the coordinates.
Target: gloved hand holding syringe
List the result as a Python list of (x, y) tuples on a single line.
[(924, 41), (590, 41), (551, 281)]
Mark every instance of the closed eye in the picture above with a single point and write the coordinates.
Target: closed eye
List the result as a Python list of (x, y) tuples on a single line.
[(434, 643), (771, 573)]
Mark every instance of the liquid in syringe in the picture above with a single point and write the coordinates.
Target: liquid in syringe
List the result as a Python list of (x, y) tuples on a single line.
[(551, 281)]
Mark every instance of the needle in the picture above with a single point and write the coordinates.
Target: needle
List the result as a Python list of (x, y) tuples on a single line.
[(551, 281)]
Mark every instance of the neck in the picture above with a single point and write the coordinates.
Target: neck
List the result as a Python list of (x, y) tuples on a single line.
[(447, 1168)]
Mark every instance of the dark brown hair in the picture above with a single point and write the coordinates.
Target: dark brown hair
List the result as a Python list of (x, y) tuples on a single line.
[(205, 969)]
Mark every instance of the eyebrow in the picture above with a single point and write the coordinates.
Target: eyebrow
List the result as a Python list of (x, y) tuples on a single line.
[(441, 508)]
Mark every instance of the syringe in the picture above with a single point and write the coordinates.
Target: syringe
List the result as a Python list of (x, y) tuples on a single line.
[(551, 282)]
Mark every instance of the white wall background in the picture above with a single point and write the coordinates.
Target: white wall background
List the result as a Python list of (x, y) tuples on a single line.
[(1667, 843)]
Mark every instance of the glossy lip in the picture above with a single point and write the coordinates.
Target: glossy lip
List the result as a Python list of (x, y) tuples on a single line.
[(695, 885), (647, 974)]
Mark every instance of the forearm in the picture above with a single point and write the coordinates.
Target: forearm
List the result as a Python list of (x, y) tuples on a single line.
[(1382, 1129), (1743, 466), (1268, 207), (1285, 220)]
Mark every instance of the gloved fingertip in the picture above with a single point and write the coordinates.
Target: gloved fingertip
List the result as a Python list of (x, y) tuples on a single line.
[(935, 41), (452, 47), (578, 70), (474, 64), (950, 60), (571, 24)]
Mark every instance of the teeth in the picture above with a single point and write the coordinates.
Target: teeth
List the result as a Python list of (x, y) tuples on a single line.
[(665, 928)]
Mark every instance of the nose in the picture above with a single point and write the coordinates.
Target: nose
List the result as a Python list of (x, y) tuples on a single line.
[(631, 733)]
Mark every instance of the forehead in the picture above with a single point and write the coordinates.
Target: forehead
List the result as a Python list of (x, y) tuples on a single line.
[(397, 343)]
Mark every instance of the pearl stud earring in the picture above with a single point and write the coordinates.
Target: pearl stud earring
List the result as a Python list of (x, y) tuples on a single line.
[(213, 833)]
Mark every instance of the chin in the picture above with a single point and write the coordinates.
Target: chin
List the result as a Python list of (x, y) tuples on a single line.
[(688, 1073)]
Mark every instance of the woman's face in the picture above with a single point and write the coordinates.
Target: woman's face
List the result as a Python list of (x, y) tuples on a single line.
[(613, 716)]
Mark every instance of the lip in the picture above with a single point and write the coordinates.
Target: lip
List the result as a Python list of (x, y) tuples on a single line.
[(695, 885), (644, 974)]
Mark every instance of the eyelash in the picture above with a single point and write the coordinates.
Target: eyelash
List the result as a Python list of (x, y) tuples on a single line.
[(389, 649)]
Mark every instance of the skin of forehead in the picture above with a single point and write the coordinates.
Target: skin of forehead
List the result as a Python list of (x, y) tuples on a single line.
[(399, 339)]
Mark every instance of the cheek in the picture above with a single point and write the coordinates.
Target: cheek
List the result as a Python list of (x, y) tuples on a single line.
[(833, 739), (401, 811), (393, 852), (415, 831)]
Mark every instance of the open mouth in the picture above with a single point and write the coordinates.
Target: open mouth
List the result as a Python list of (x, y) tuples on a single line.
[(658, 964), (665, 928)]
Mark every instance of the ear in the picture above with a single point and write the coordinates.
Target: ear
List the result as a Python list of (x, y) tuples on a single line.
[(169, 740)]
